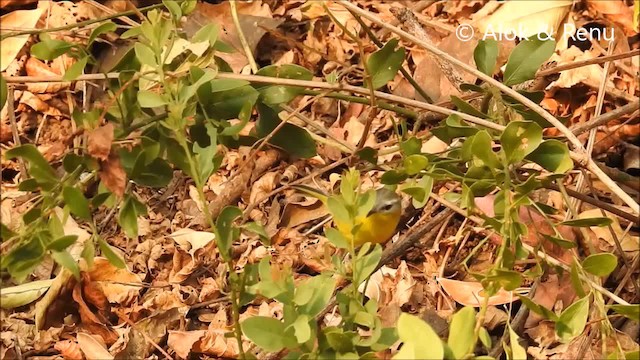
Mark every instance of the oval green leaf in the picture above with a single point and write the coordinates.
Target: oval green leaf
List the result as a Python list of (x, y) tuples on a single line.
[(601, 264)]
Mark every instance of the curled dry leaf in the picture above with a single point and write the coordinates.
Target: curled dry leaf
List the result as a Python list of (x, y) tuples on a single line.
[(112, 175), (94, 322), (602, 237), (471, 293), (211, 342), (99, 142), (70, 350), (264, 186), (182, 341), (37, 104), (93, 348), (61, 13), (532, 17), (192, 245), (113, 281), (392, 288), (571, 77), (35, 67), (616, 11), (20, 19), (254, 18)]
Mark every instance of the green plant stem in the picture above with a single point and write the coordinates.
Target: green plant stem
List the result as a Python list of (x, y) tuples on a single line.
[(205, 209), (82, 23), (243, 39)]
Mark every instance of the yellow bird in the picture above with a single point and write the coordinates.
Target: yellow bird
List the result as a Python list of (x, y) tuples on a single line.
[(378, 225)]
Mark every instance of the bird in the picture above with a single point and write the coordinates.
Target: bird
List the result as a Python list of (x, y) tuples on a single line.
[(380, 223)]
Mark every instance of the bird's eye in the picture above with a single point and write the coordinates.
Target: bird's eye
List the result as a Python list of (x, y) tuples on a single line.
[(387, 207)]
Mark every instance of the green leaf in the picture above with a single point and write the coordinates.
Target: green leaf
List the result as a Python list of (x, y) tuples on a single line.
[(485, 338), (573, 319), (268, 333), (367, 262), (336, 238), (419, 339), (485, 55), (226, 231), (128, 217), (145, 55), (208, 33), (156, 174), (15, 296), (601, 264), (385, 63), (519, 139), (39, 167), (3, 91), (461, 338), (526, 59), (553, 155), (596, 221), (206, 156), (226, 104), (103, 28), (413, 164), (293, 139), (467, 108), (259, 230), (411, 146), (173, 7), (64, 259), (150, 99), (62, 243), (453, 127), (539, 309), (478, 149), (21, 261), (508, 279), (301, 328), (111, 254), (89, 252), (220, 85), (49, 49), (566, 244), (77, 203), (392, 177), (631, 311), (278, 94), (517, 351)]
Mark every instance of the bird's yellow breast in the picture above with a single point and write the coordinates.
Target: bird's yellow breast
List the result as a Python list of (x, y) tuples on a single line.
[(376, 228)]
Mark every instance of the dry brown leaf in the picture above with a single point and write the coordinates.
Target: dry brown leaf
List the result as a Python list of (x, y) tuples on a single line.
[(264, 186), (190, 253), (295, 214), (182, 341), (392, 288), (527, 18), (20, 19), (471, 293), (210, 289), (92, 321), (554, 292), (571, 77), (254, 17), (70, 350), (61, 13), (99, 142), (113, 176), (112, 281), (93, 348), (35, 67), (602, 238), (616, 11)]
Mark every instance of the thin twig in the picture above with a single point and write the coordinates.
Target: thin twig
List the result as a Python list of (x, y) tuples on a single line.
[(243, 39), (581, 63), (14, 130), (605, 118)]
